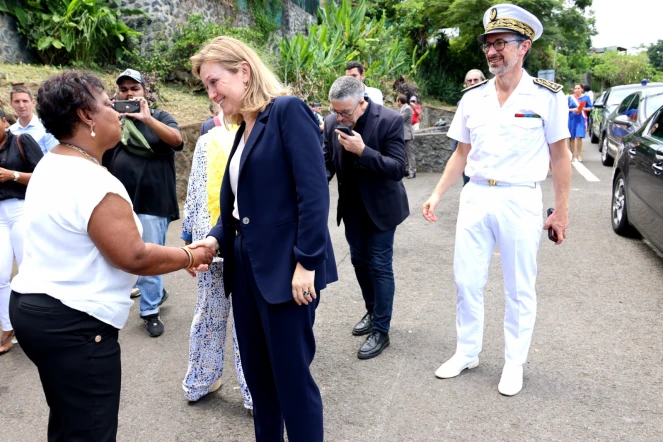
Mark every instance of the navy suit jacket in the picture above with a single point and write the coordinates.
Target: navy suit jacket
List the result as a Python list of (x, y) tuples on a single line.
[(283, 202), (380, 168)]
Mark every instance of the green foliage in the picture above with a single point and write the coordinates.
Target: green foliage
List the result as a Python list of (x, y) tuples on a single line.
[(310, 64), (441, 74), (264, 15), (655, 53), (78, 32), (614, 68), (169, 57)]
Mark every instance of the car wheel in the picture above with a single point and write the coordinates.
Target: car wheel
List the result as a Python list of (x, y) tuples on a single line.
[(593, 138), (606, 159), (619, 217)]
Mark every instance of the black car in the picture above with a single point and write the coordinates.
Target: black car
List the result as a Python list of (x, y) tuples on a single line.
[(608, 104), (631, 114), (637, 185)]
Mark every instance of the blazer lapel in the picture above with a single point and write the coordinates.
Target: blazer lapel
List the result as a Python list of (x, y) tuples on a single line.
[(255, 134), (371, 123)]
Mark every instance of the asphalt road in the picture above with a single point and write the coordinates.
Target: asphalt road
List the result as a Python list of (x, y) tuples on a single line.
[(594, 371)]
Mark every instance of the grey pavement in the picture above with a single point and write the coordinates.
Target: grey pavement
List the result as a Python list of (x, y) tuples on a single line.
[(594, 371)]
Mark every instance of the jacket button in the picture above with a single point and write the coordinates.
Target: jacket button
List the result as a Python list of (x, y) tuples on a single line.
[(97, 339), (245, 220)]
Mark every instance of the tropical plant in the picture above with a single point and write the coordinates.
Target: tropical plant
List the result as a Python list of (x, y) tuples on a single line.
[(170, 57), (309, 64), (78, 32)]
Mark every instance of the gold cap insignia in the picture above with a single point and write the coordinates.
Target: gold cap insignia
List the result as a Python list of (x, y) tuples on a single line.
[(493, 14)]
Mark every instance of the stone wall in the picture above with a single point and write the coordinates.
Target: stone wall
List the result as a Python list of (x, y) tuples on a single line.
[(432, 150), (12, 45), (295, 19)]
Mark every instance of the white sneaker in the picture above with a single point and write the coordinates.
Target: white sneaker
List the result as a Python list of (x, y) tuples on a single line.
[(215, 386), (454, 366), (511, 381)]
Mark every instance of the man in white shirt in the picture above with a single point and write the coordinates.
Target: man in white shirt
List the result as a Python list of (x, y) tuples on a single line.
[(356, 70), (22, 102), (508, 130)]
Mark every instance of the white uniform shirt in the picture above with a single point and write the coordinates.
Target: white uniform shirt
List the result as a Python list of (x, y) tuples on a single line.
[(374, 94), (59, 257), (507, 148), (37, 131)]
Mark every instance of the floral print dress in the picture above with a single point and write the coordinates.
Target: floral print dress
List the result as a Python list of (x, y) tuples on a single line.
[(213, 310)]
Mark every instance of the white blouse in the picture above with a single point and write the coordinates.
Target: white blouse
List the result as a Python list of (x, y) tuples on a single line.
[(59, 257), (234, 173)]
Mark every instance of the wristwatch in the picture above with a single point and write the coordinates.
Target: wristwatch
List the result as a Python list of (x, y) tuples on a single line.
[(16, 176)]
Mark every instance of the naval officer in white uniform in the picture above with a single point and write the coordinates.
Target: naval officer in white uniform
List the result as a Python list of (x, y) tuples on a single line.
[(508, 129)]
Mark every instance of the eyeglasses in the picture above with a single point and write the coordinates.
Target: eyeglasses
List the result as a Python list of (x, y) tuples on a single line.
[(472, 80), (344, 114), (498, 44)]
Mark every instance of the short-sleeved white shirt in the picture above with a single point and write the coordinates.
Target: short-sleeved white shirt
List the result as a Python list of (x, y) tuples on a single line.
[(507, 148), (59, 257), (374, 94)]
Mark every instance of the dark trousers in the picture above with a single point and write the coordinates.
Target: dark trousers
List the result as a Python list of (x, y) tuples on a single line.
[(277, 346), (372, 253), (78, 359)]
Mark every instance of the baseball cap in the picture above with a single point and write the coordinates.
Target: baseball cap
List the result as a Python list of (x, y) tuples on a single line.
[(413, 98), (130, 73)]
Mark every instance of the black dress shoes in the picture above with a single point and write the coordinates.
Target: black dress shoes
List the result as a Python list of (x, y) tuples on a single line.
[(412, 175), (363, 327), (374, 345)]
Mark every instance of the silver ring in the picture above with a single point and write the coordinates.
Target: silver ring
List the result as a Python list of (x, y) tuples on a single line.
[(307, 293)]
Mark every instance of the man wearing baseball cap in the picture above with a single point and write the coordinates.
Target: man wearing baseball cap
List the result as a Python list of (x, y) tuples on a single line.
[(508, 129), (149, 177)]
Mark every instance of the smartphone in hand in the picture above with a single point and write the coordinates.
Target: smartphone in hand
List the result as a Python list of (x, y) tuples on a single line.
[(127, 106), (552, 235), (345, 129)]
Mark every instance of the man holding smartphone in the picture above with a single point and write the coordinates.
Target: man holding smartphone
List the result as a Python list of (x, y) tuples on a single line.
[(149, 177), (363, 146), (508, 129)]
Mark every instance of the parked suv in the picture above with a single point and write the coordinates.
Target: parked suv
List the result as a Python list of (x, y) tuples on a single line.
[(610, 101), (632, 112)]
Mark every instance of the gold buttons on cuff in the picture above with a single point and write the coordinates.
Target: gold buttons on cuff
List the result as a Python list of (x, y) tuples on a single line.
[(97, 339)]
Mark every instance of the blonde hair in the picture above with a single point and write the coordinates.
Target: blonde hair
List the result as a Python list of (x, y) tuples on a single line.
[(230, 53)]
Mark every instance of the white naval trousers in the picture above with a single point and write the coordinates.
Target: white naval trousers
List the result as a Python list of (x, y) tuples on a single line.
[(511, 217)]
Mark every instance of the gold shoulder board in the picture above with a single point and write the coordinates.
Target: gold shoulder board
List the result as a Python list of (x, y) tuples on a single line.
[(554, 87), (475, 85)]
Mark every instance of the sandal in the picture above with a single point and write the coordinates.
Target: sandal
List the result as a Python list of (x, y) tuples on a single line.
[(9, 338)]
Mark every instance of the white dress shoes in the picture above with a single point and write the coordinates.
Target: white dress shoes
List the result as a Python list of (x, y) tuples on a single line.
[(454, 366), (511, 381)]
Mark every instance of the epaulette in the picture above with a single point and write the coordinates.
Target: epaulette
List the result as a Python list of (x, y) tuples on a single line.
[(474, 85), (554, 87)]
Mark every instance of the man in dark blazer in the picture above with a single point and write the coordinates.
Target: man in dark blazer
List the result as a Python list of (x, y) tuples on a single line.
[(370, 165)]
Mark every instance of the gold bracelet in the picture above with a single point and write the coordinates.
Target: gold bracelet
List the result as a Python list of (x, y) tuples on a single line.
[(192, 260)]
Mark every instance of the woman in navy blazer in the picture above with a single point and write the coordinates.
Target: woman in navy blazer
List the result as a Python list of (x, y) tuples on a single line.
[(272, 235)]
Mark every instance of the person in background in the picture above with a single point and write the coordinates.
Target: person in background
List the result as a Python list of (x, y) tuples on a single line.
[(210, 320), (213, 120), (372, 201), (148, 173), (317, 111), (407, 114), (578, 120), (19, 154), (71, 294), (273, 236), (416, 113), (588, 91), (356, 70), (21, 100)]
